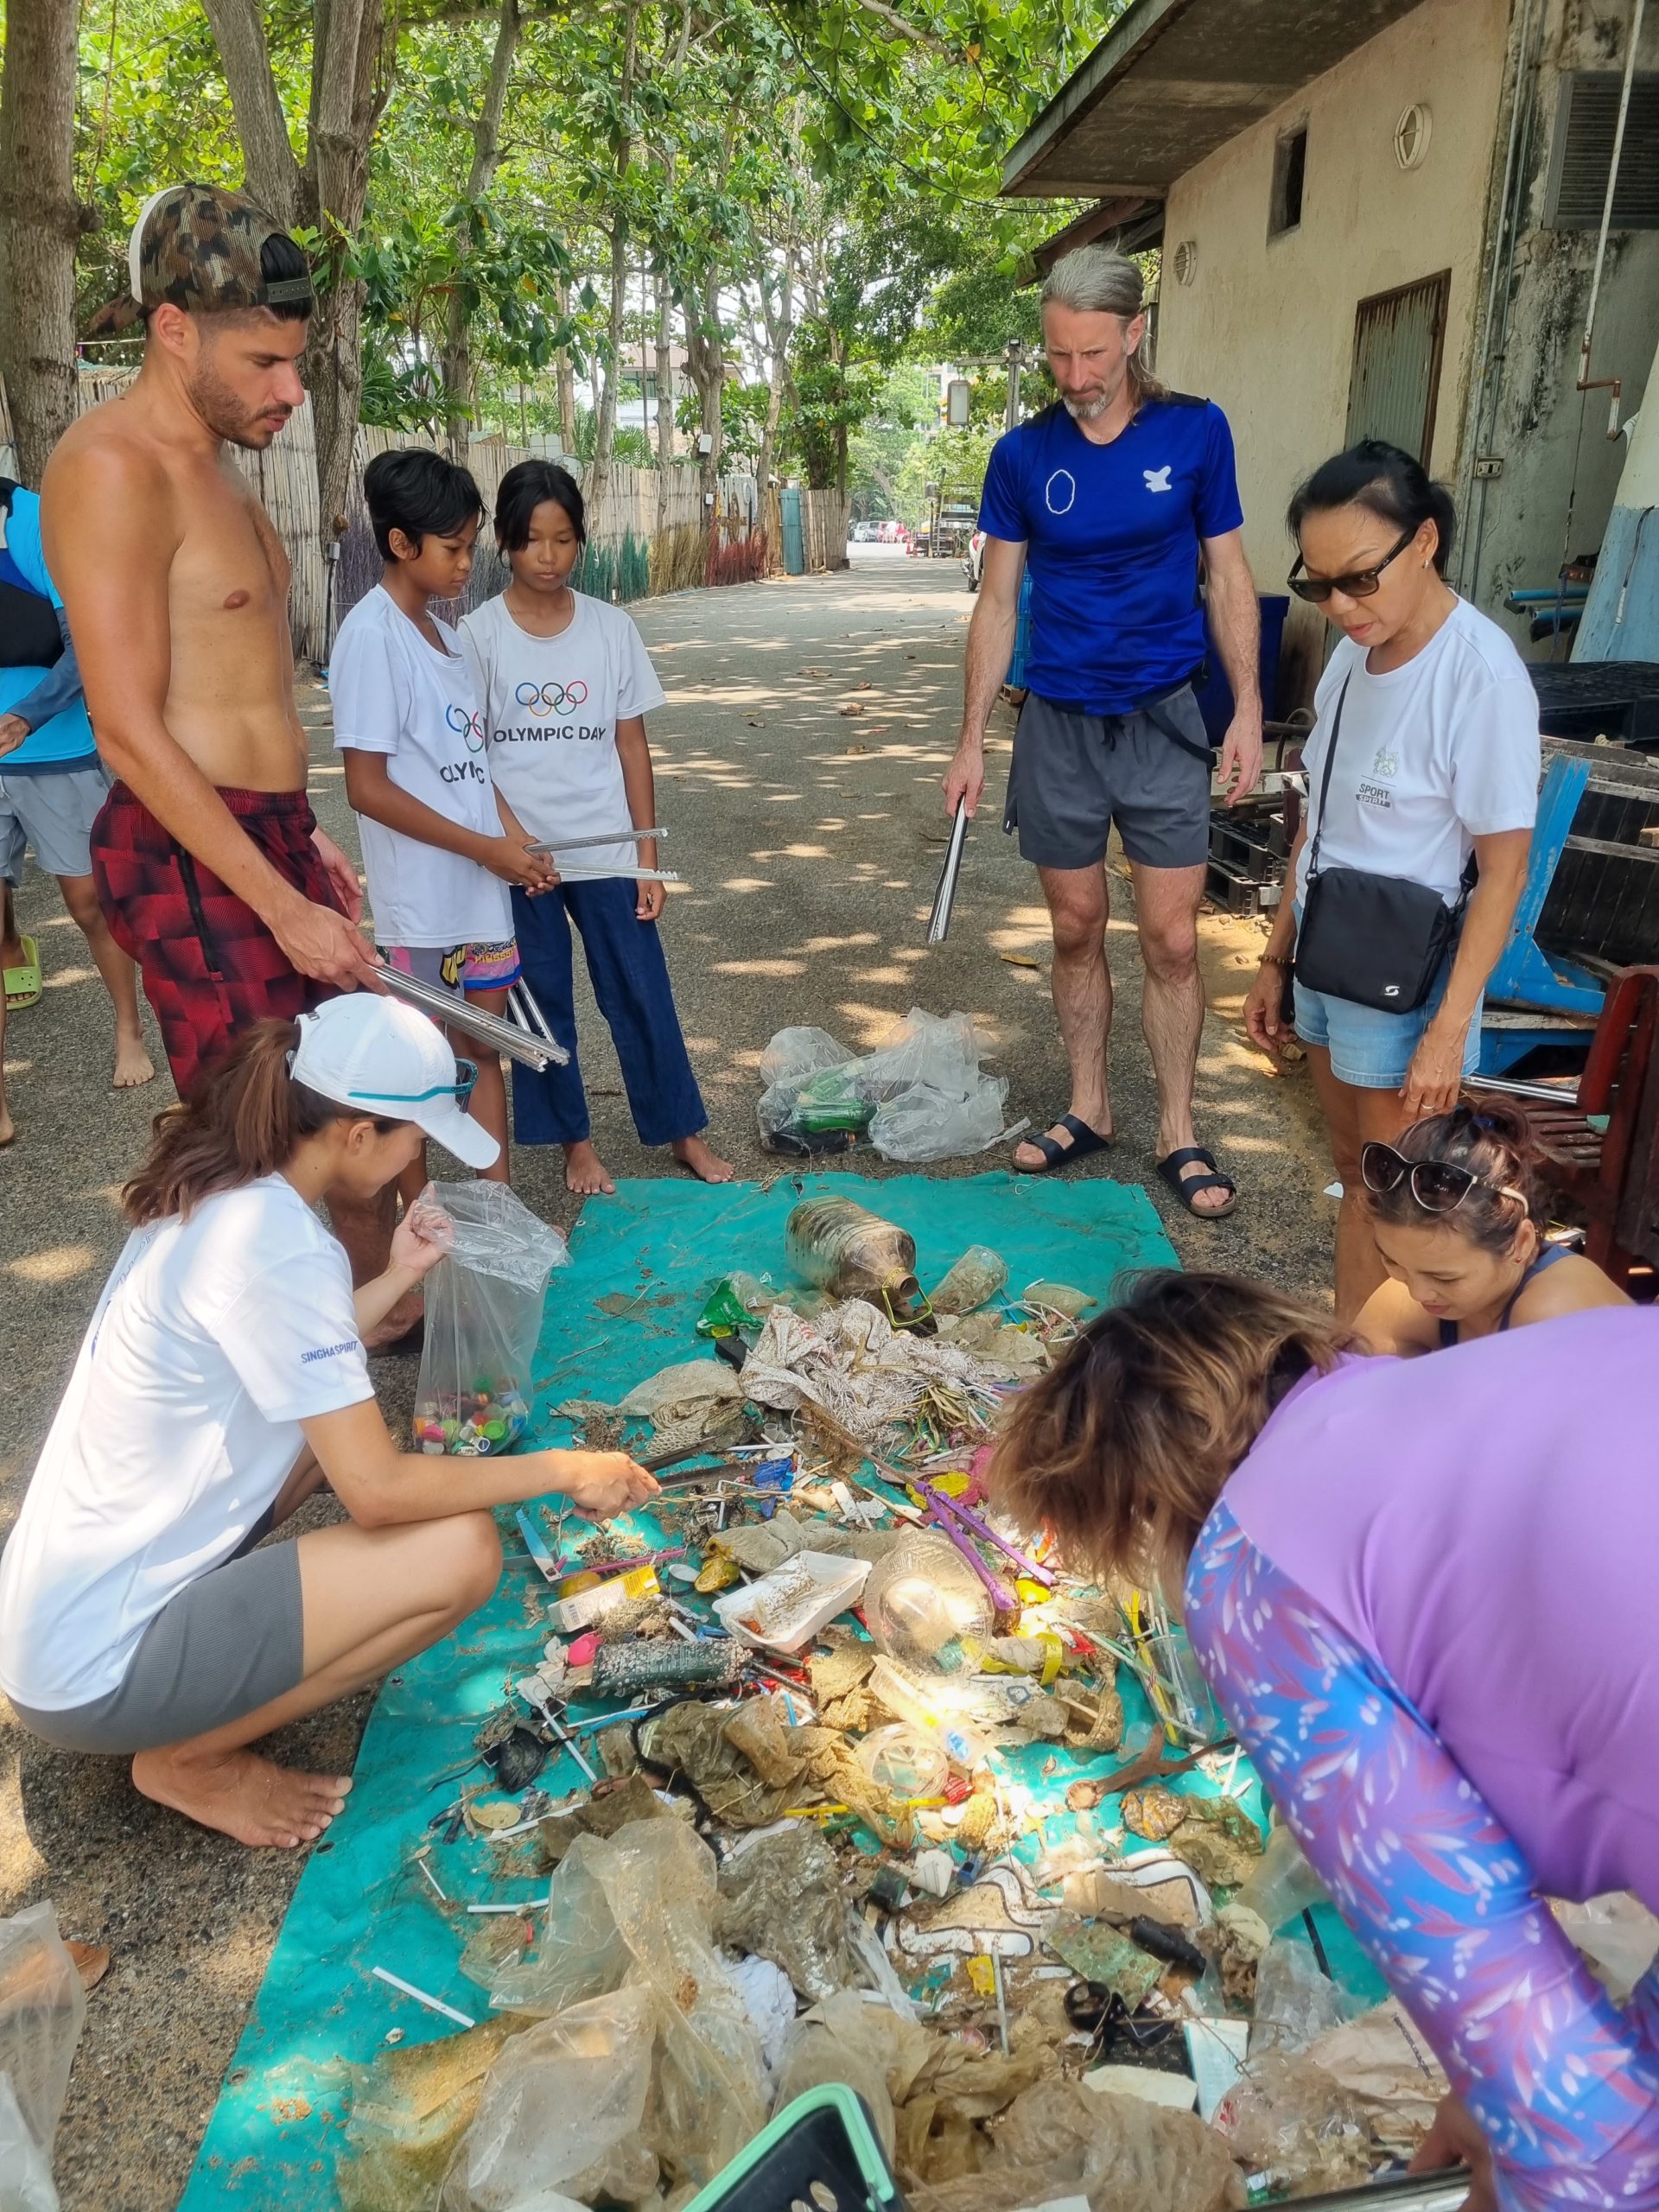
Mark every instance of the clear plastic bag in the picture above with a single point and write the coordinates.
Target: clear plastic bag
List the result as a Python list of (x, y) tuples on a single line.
[(636, 1911), (1283, 1884), (483, 1316), (563, 2109), (781, 1898), (920, 1093), (43, 2008), (1295, 2003), (787, 1067), (1060, 2140)]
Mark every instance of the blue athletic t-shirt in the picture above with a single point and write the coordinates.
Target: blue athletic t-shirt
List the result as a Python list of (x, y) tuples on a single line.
[(65, 740), (1112, 534)]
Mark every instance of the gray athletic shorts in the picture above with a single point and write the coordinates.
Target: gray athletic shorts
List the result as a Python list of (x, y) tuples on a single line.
[(54, 813), (229, 1643), (1074, 775)]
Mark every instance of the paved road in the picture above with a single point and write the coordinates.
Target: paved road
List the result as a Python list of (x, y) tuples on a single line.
[(812, 839)]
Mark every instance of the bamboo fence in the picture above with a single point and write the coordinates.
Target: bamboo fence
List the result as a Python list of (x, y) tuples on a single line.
[(645, 538)]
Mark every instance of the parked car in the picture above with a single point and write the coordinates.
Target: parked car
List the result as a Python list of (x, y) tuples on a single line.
[(973, 561)]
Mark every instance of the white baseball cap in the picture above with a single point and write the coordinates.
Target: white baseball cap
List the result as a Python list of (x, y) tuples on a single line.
[(372, 1051)]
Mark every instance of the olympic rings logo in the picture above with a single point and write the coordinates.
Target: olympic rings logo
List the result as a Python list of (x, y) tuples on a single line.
[(470, 727), (553, 699)]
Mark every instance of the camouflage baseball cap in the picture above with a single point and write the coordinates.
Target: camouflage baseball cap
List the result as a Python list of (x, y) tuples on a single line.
[(198, 246)]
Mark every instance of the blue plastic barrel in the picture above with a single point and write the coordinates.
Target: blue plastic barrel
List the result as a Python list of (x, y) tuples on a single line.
[(1216, 694)]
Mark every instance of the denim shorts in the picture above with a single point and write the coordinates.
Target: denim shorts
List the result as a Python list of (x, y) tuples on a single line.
[(1369, 1049)]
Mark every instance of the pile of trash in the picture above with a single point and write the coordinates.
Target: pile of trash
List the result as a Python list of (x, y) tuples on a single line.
[(920, 1095), (845, 1794)]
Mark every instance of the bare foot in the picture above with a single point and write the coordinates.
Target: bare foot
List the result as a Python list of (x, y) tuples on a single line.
[(397, 1324), (585, 1173), (242, 1795), (133, 1065), (707, 1167), (8, 1128)]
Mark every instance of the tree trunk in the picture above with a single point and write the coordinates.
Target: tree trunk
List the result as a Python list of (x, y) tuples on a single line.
[(565, 374), (780, 323), (457, 366), (40, 222), (271, 174), (353, 56), (664, 396), (605, 411), (705, 354), (609, 369)]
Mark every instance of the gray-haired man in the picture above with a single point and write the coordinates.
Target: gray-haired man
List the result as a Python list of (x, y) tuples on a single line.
[(1114, 496)]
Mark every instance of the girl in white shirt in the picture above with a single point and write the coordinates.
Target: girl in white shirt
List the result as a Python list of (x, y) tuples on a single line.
[(565, 683), (222, 1380), (1434, 726)]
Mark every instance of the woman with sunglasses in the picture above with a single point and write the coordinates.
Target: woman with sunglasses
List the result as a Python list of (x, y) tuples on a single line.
[(1422, 778), (1454, 1208), (1375, 1555), (222, 1382)]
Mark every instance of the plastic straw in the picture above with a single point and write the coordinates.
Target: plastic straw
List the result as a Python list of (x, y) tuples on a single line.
[(421, 1997)]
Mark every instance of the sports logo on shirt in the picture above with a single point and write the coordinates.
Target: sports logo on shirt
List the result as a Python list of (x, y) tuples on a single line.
[(1060, 491), (469, 726), (1157, 480), (553, 699), (1386, 765)]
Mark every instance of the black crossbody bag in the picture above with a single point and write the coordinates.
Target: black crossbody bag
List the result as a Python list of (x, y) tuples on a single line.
[(1377, 940)]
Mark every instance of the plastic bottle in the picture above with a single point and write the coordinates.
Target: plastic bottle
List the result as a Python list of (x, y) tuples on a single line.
[(975, 1277), (963, 1746), (851, 1253)]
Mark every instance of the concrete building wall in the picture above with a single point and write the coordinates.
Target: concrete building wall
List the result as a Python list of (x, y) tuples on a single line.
[(1560, 471), (1266, 326)]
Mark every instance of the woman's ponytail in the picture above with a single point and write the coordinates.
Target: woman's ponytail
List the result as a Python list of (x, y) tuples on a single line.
[(244, 1119)]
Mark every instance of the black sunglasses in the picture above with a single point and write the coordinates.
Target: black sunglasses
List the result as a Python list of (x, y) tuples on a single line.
[(1361, 584), (1438, 1186)]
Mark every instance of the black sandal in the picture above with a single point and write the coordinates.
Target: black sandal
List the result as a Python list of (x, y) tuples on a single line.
[(1184, 1186), (1085, 1140)]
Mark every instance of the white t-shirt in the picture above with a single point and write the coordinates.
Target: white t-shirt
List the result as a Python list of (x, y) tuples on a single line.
[(393, 694), (214, 1339), (1431, 755), (551, 706)]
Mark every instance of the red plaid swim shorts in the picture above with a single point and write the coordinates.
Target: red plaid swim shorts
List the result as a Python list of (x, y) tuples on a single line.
[(210, 965)]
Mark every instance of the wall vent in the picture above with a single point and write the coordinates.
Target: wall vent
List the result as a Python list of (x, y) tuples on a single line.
[(1586, 118)]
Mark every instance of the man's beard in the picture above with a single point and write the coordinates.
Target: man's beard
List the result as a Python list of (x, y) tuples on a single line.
[(1087, 410), (225, 414)]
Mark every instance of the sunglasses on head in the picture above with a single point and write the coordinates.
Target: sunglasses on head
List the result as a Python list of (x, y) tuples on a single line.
[(461, 1089), (1438, 1186), (1361, 584)]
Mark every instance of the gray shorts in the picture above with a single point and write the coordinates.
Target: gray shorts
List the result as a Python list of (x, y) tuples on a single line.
[(54, 812), (1074, 775), (228, 1642)]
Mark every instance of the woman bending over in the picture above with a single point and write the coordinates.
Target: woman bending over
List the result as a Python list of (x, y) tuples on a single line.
[(1373, 1550)]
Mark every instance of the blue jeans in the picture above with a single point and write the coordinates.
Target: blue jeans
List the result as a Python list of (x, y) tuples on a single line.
[(630, 980)]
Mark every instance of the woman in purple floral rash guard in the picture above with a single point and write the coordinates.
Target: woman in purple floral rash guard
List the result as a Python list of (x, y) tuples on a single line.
[(1423, 1592)]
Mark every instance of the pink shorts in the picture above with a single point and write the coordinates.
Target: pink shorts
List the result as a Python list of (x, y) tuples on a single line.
[(458, 967)]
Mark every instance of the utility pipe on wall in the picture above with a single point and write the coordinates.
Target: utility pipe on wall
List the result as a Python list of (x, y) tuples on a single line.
[(1613, 385)]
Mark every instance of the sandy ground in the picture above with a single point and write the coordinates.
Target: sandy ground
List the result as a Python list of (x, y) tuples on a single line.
[(812, 840)]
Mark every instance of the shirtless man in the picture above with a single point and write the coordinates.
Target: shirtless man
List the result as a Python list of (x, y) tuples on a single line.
[(209, 862)]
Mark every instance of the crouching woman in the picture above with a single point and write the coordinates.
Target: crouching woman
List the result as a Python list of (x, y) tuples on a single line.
[(221, 1381), (1371, 1549)]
